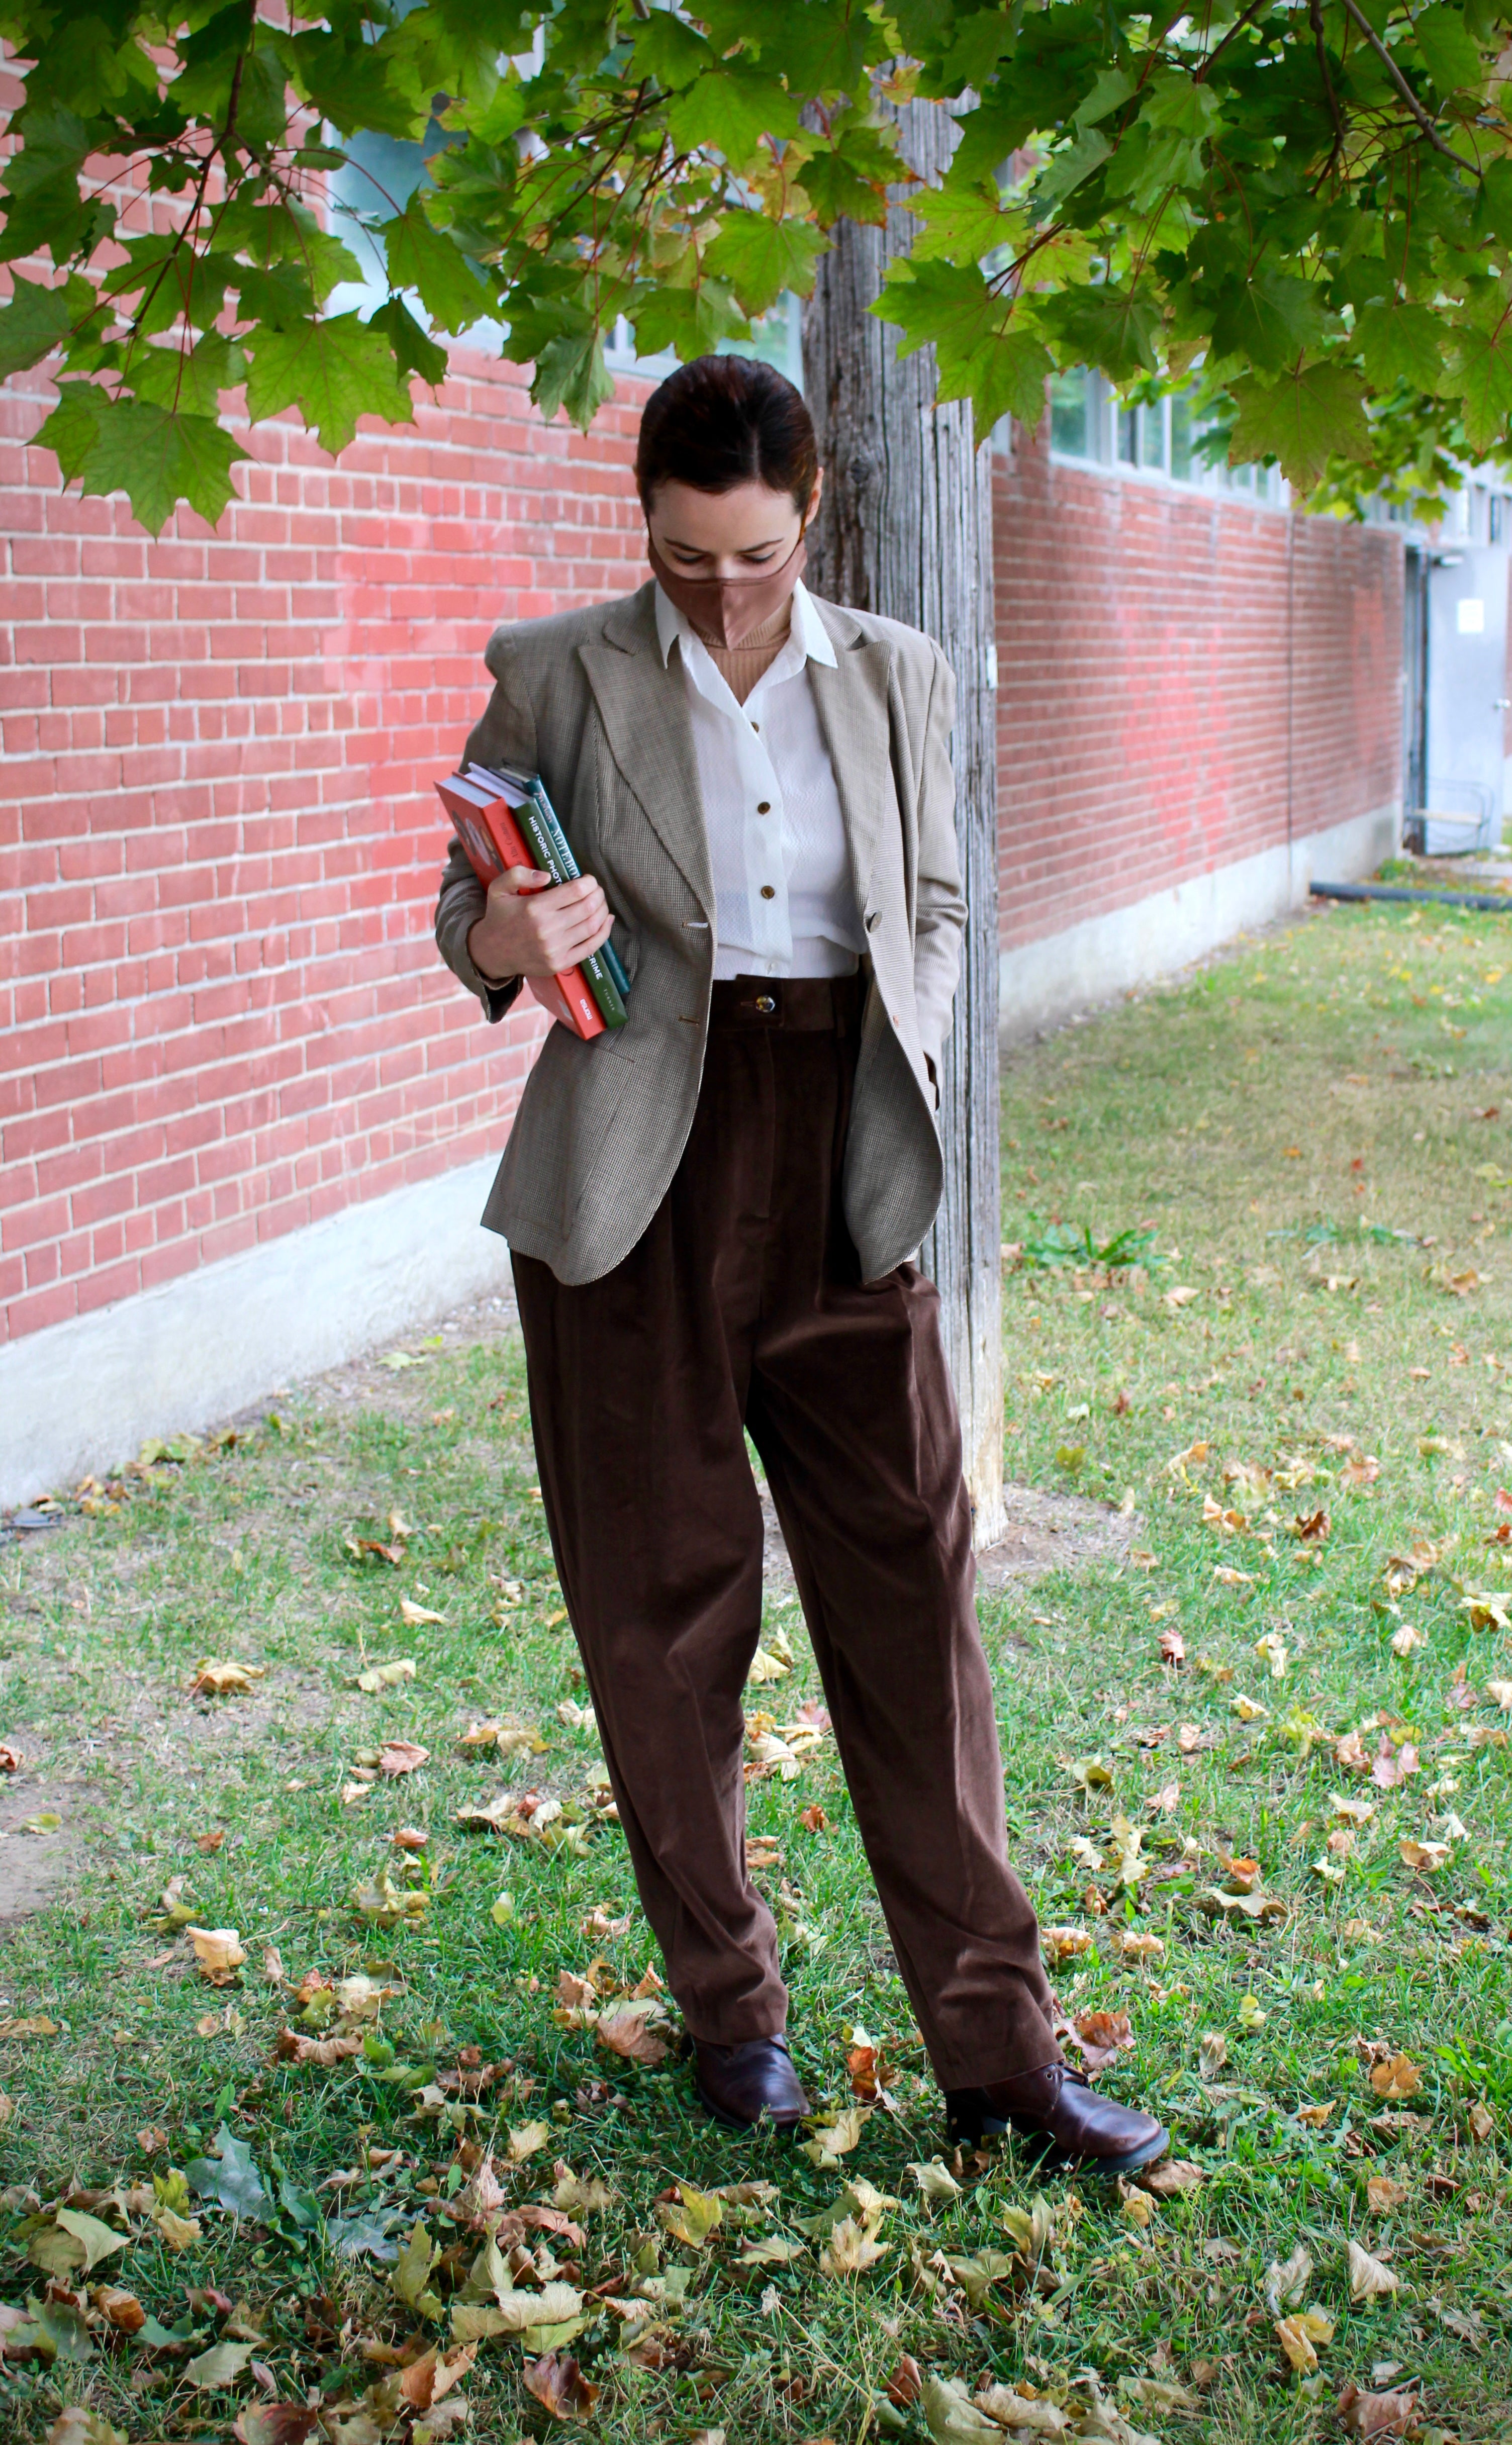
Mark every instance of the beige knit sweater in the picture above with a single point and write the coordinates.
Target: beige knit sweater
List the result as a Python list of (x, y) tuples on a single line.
[(741, 665)]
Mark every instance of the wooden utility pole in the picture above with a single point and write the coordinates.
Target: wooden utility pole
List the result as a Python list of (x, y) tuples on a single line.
[(905, 528)]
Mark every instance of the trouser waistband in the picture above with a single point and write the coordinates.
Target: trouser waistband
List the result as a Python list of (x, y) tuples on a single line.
[(807, 1004)]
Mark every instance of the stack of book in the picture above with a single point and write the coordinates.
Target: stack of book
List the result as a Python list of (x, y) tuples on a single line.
[(505, 819)]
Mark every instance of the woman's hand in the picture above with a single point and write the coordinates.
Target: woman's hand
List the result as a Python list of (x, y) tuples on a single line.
[(534, 927)]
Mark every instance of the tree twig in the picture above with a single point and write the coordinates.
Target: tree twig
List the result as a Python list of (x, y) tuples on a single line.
[(1424, 120), (1315, 13)]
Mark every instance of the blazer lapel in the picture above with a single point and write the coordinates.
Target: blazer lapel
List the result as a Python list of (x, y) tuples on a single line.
[(852, 706), (642, 706)]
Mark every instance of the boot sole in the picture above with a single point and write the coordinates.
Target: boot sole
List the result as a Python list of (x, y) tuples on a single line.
[(968, 2132)]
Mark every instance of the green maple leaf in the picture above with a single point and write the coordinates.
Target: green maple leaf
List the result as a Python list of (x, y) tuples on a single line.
[(1400, 344), (1110, 87), (35, 321), (189, 380), (1311, 415), (415, 352), (960, 226), (133, 446), (421, 257), (848, 178), (1106, 325), (1481, 359), (944, 302), (1066, 170), (1450, 50), (570, 373), (1001, 377), (760, 257), (732, 111), (670, 51), (332, 371), (839, 193), (950, 307), (691, 320), (1268, 319), (348, 82)]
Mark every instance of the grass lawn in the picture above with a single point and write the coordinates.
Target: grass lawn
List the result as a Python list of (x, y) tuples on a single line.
[(1257, 1780)]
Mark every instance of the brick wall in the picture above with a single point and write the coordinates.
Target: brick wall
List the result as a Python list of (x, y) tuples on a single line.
[(222, 1012), (1182, 677)]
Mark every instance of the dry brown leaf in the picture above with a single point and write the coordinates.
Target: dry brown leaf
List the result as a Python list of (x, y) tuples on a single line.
[(814, 1819), (1064, 1943), (1173, 2177), (1102, 2037), (1137, 1944), (1391, 1765), (1377, 2414), (400, 1756), (630, 2031), (905, 2383), (1397, 2077), (1172, 1647), (1316, 2115), (218, 1952), (556, 2382), (1481, 2120), (1384, 2194), (293, 2045), (276, 2423), (210, 1842), (1371, 2279), (850, 2250), (1424, 1858), (379, 1677), (120, 2309), (1297, 2345), (225, 1678)]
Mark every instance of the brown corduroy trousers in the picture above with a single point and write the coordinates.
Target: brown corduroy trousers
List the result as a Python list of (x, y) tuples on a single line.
[(742, 1307)]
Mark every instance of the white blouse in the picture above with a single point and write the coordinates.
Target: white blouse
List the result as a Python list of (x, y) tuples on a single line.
[(785, 896)]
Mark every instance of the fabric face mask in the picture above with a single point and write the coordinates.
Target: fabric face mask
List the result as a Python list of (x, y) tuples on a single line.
[(724, 610)]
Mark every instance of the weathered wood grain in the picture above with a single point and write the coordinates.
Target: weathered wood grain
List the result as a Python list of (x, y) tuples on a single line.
[(905, 528)]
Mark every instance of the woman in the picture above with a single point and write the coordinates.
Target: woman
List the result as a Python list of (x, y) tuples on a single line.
[(713, 1215)]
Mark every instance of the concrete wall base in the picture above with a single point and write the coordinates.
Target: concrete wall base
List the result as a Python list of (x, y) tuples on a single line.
[(80, 1397), (1044, 983)]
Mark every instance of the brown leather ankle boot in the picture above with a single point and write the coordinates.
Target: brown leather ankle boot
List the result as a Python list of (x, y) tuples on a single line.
[(741, 2085), (1056, 2106)]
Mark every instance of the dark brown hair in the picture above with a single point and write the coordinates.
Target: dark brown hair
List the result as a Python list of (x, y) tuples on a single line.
[(726, 421)]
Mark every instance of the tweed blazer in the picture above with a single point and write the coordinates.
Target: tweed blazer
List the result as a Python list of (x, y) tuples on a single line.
[(586, 700)]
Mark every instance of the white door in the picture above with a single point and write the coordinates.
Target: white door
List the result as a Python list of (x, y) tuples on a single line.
[(1466, 696)]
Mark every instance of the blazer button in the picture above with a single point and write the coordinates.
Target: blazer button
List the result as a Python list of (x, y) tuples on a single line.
[(873, 921), (764, 807), (769, 892)]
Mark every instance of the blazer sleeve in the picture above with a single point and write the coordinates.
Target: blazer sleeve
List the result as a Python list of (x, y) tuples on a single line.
[(506, 735), (941, 905)]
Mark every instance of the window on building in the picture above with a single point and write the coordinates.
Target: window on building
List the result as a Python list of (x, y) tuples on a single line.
[(1088, 421)]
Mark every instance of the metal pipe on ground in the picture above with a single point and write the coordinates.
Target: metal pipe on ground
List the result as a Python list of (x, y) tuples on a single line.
[(1497, 901)]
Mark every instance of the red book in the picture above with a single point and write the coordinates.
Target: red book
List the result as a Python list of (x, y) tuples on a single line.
[(493, 842)]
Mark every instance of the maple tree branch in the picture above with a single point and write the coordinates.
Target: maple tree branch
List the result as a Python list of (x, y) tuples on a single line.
[(1237, 28), (1423, 118), (1315, 13)]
